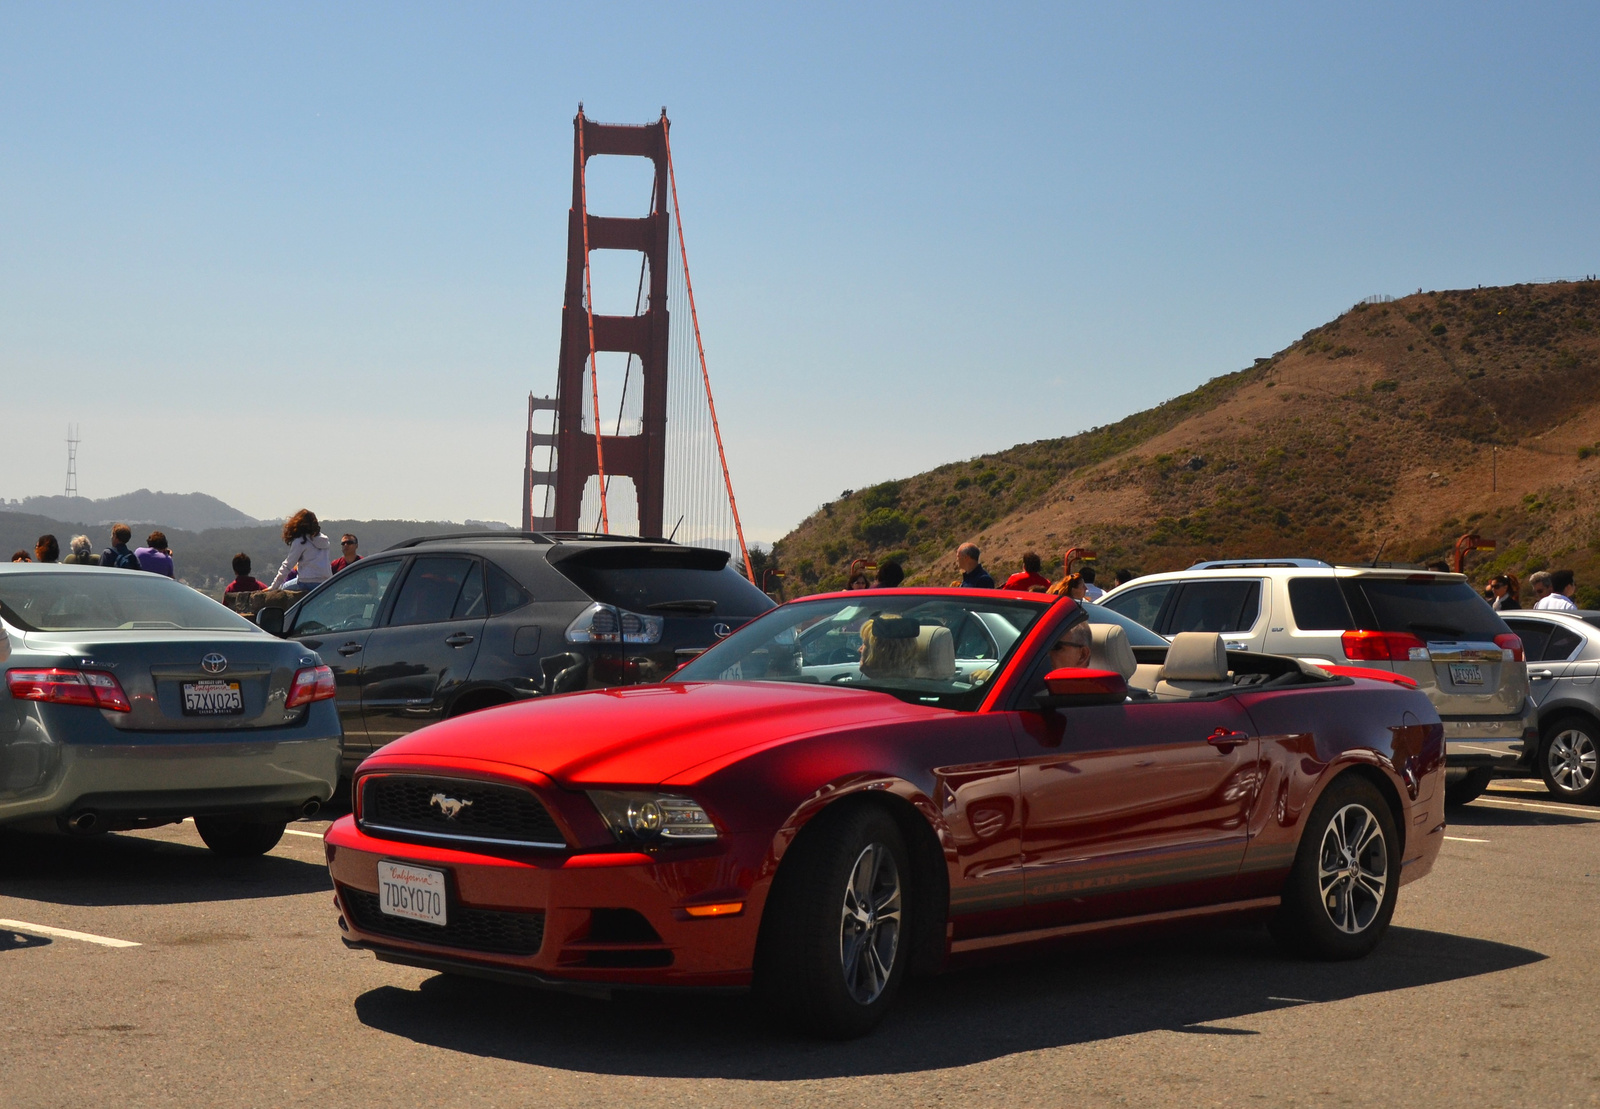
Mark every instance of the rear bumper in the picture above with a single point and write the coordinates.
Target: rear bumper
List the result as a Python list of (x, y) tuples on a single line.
[(1500, 742), (152, 776), (578, 897)]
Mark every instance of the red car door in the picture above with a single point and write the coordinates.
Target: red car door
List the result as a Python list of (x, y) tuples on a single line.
[(1134, 808)]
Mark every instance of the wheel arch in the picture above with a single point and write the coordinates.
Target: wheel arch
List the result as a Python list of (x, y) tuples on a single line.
[(1386, 789), (1566, 710), (479, 697)]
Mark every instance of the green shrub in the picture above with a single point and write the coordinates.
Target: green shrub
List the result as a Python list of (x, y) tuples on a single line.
[(1387, 385), (883, 526)]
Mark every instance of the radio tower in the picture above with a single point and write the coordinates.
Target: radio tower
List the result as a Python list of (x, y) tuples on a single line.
[(72, 460)]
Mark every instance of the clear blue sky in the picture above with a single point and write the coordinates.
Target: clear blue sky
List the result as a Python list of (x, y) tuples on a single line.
[(313, 253)]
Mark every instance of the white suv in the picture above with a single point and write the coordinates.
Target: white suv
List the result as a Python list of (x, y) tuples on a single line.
[(1431, 627)]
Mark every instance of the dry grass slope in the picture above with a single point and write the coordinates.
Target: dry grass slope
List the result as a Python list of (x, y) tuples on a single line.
[(1384, 427)]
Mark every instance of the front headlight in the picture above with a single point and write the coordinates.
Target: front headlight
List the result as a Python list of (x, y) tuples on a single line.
[(636, 817)]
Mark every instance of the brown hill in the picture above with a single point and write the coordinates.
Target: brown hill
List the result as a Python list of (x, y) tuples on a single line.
[(1398, 425)]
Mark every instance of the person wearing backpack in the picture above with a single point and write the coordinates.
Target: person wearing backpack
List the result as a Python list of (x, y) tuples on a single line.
[(119, 555), (308, 563)]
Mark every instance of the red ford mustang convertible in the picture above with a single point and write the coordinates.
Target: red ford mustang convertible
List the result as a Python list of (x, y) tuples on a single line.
[(861, 786)]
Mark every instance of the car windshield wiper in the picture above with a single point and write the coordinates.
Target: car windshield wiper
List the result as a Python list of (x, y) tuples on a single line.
[(683, 606)]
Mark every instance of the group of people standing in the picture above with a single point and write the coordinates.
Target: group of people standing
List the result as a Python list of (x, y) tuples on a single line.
[(1080, 586), (1551, 590), (155, 556)]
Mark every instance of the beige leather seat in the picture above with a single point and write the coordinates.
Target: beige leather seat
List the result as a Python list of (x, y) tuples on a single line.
[(1197, 664), (1109, 650), (936, 654)]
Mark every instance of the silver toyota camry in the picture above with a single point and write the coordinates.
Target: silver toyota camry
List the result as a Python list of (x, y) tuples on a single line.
[(131, 700)]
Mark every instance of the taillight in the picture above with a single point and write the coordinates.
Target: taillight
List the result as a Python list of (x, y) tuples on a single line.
[(607, 624), (1370, 646), (93, 688), (314, 683), (1510, 641)]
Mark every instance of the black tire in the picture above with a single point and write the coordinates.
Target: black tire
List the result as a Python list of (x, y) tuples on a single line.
[(1463, 789), (813, 969), (1337, 902), (233, 838), (1569, 760)]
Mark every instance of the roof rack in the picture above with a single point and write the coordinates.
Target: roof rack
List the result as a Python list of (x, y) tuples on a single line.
[(1262, 564), (551, 537)]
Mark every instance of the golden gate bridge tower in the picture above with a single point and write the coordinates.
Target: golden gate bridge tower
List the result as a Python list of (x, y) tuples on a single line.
[(644, 457)]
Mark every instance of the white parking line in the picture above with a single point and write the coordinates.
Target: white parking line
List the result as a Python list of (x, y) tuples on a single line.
[(1465, 839), (65, 933), (1570, 810), (295, 832)]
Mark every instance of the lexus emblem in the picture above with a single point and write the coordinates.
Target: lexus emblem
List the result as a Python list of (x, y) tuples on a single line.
[(450, 807), (214, 663), (721, 631)]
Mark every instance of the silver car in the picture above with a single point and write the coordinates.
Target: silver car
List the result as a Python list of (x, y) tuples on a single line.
[(131, 700), (1563, 650)]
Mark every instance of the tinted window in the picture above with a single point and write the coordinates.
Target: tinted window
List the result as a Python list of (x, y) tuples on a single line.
[(662, 581), (1141, 605), (505, 595), (1534, 635), (84, 599), (1138, 634), (972, 641), (429, 592), (1430, 608), (1216, 606), (349, 602), (1562, 643), (1318, 605), (470, 604)]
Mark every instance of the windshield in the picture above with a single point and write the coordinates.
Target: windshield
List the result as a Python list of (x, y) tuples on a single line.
[(1431, 608), (671, 581), (930, 650), (89, 600)]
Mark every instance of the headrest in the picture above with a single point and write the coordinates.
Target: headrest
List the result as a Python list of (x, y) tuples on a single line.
[(1109, 650), (1196, 657), (936, 654), (889, 625)]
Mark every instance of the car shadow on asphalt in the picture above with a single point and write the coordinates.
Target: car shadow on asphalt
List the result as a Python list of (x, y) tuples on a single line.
[(1488, 816), (1184, 984), (134, 870)]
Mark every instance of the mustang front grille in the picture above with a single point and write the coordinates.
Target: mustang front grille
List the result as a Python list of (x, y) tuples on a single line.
[(469, 929), (456, 809)]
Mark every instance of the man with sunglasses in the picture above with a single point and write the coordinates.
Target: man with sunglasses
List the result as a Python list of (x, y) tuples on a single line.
[(348, 555), (1071, 648)]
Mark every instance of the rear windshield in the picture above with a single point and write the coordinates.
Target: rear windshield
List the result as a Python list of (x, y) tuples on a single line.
[(686, 581), (89, 600), (1431, 608)]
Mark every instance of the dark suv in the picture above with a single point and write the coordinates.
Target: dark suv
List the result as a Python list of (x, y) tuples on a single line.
[(443, 625)]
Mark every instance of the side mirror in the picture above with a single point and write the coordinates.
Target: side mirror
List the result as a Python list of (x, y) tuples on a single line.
[(270, 620), (1071, 686)]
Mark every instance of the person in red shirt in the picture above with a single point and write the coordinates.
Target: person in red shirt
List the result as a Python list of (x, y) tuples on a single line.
[(349, 556), (243, 581), (1030, 579)]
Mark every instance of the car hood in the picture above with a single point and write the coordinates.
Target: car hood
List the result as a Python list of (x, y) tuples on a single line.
[(645, 735)]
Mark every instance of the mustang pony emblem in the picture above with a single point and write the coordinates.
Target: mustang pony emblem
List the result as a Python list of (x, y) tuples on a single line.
[(451, 807)]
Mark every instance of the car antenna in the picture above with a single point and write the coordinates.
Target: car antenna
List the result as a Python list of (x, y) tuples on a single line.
[(1379, 555), (675, 528)]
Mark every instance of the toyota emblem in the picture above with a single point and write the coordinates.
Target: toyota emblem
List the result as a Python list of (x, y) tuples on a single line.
[(214, 663), (721, 631)]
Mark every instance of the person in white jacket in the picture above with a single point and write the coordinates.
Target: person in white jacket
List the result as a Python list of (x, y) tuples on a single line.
[(308, 564)]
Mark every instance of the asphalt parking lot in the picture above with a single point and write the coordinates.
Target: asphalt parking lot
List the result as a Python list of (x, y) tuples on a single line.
[(239, 993)]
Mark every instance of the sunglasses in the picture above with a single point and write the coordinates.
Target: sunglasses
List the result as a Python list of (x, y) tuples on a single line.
[(347, 542)]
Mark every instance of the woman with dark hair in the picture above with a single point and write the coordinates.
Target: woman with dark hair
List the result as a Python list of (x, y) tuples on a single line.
[(21, 556), (1504, 592), (48, 549), (308, 559)]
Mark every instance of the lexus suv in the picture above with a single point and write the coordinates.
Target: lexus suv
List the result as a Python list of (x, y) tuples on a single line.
[(443, 625), (1430, 627)]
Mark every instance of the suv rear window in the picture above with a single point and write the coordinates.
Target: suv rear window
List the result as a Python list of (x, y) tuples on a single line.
[(662, 580), (1318, 605), (1430, 608)]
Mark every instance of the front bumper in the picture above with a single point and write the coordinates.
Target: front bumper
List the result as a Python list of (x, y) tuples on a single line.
[(1499, 742), (610, 920), (129, 778)]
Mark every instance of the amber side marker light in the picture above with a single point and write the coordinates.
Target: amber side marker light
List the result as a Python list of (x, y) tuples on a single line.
[(720, 908)]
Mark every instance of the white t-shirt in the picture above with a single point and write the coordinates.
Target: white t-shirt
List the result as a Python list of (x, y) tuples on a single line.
[(1556, 602), (1092, 592)]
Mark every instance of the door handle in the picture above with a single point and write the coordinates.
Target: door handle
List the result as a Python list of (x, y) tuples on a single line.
[(349, 648), (460, 639), (1537, 675), (1224, 740)]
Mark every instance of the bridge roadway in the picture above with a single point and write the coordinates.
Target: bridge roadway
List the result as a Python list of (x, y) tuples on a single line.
[(239, 993)]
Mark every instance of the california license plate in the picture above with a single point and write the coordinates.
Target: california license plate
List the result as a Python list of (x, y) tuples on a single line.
[(1466, 673), (412, 892), (212, 698)]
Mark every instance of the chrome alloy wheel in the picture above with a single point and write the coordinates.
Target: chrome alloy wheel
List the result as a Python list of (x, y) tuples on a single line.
[(1353, 869), (1572, 760), (869, 927)]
